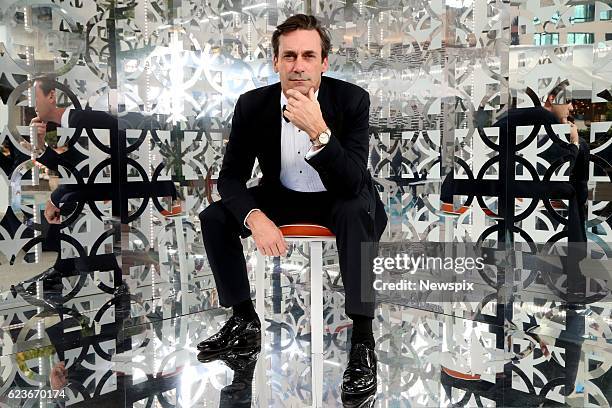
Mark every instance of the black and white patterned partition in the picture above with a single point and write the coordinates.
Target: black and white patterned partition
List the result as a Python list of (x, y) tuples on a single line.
[(440, 75)]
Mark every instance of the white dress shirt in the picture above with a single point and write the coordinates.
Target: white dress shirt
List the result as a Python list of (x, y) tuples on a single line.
[(296, 174)]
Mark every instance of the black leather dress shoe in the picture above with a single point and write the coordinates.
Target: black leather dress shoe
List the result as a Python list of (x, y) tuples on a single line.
[(237, 333), (360, 374), (51, 283), (51, 279)]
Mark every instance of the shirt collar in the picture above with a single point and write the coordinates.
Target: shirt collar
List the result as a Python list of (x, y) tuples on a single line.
[(65, 117)]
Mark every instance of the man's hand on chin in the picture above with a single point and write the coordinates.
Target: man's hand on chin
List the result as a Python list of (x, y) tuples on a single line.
[(305, 112), (574, 138), (268, 238)]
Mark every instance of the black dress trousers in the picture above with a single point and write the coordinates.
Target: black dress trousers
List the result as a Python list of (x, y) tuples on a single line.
[(350, 219)]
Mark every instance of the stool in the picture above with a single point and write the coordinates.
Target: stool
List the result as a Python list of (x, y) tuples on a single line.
[(315, 235)]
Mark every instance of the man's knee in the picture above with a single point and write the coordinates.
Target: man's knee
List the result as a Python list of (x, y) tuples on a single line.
[(213, 216)]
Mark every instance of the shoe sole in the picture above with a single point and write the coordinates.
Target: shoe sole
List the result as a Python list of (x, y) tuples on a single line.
[(359, 401), (205, 357)]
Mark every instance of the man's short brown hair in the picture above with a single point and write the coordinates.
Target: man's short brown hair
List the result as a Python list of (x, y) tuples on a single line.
[(46, 83), (302, 22), (559, 93)]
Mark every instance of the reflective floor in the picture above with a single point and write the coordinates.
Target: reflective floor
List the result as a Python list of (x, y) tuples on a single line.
[(109, 357)]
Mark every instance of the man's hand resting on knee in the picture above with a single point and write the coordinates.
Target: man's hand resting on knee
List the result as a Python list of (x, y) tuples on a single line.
[(268, 238)]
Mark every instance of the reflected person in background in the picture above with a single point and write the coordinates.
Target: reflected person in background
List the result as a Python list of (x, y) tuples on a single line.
[(64, 197), (49, 112), (561, 108), (310, 134), (65, 326), (557, 109), (574, 291)]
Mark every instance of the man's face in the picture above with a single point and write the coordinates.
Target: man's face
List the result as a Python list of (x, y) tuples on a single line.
[(44, 104), (299, 63), (562, 111)]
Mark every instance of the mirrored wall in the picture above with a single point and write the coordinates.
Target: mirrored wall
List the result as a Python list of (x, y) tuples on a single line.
[(119, 290)]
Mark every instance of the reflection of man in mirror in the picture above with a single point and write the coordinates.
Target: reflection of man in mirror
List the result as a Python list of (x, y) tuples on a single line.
[(65, 196), (557, 109), (560, 109), (310, 134), (49, 114)]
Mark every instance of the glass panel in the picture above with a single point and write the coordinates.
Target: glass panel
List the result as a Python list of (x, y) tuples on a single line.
[(489, 125)]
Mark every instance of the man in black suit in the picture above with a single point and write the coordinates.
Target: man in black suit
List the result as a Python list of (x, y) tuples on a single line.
[(310, 136), (556, 110), (64, 196), (50, 114)]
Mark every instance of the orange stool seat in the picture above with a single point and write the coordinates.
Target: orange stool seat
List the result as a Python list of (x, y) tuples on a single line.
[(305, 230)]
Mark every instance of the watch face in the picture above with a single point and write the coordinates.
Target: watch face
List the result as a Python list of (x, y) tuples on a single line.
[(324, 138)]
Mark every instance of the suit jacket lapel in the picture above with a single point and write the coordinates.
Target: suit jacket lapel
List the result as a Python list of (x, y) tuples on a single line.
[(272, 125)]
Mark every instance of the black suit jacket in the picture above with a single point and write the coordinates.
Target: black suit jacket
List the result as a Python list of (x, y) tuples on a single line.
[(256, 133), (578, 157), (70, 158)]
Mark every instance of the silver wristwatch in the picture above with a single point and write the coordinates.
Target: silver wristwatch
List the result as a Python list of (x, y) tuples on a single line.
[(322, 139)]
